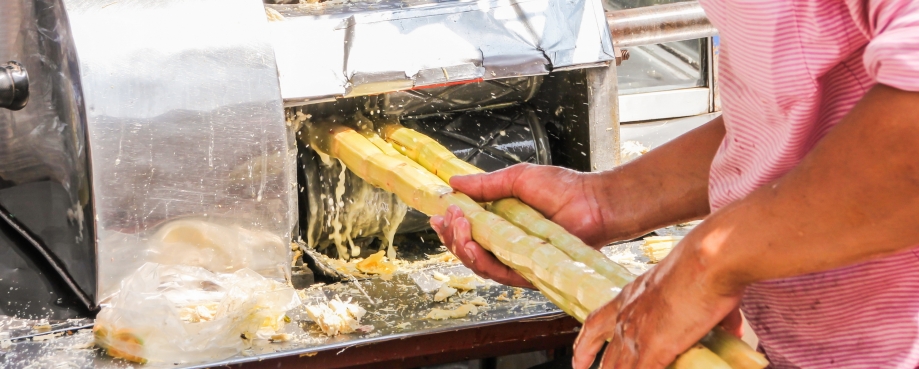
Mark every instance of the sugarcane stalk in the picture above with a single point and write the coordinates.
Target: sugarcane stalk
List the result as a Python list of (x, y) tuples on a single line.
[(531, 256), (424, 150), (733, 351), (524, 216), (366, 127), (698, 357), (439, 160)]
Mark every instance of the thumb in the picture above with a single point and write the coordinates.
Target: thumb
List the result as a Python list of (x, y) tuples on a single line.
[(489, 186)]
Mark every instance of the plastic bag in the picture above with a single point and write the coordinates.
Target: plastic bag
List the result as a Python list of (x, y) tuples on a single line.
[(185, 314), (221, 248), (216, 244)]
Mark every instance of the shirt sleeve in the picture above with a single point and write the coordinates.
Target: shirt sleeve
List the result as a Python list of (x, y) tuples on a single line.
[(892, 55)]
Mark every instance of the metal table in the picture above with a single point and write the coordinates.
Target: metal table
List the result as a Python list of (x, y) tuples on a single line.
[(401, 337)]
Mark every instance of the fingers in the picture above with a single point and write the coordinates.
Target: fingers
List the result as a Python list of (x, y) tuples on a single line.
[(462, 240), (617, 356), (455, 232), (480, 260), (489, 186), (733, 323), (598, 327), (442, 225)]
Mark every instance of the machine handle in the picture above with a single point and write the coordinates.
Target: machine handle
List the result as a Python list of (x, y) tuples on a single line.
[(14, 86)]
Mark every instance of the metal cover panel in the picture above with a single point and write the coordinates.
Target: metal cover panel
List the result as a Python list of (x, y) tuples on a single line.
[(185, 120), (299, 61), (44, 168), (394, 45)]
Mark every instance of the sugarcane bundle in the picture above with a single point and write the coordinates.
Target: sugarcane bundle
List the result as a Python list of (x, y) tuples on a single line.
[(429, 194), (439, 160), (573, 286)]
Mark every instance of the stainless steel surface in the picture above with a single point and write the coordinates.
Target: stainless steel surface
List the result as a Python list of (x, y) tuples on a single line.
[(669, 71), (603, 108), (658, 24), (54, 265), (362, 49), (489, 94), (14, 86), (656, 133), (579, 110), (31, 283), (44, 168), (23, 329), (185, 120), (629, 254), (664, 104), (665, 67)]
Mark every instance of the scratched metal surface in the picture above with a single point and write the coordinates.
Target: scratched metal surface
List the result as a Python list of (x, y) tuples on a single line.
[(183, 121), (629, 254)]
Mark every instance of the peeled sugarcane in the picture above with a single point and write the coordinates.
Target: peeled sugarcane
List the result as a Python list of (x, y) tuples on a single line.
[(419, 188), (733, 350), (575, 288), (439, 160)]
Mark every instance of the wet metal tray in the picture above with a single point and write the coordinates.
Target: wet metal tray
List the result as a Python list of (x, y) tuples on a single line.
[(395, 308)]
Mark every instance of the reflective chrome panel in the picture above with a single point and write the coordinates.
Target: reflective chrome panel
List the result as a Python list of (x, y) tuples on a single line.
[(185, 120)]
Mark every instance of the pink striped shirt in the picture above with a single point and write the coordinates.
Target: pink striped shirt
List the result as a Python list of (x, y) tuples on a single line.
[(790, 70)]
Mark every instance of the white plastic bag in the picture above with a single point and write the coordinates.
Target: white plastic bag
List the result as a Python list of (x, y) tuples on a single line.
[(221, 248), (186, 314)]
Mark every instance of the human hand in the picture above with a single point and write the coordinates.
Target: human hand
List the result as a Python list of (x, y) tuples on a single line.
[(560, 194), (456, 233), (569, 198), (659, 315)]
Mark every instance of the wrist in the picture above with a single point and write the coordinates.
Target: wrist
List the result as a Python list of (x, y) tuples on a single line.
[(630, 207), (708, 252)]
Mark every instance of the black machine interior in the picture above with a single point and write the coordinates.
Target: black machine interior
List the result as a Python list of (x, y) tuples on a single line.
[(491, 124)]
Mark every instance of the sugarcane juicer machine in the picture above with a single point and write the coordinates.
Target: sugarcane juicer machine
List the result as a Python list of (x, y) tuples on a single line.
[(151, 131)]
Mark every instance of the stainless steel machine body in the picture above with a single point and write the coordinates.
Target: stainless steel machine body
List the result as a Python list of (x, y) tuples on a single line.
[(416, 59), (171, 108), (357, 49), (184, 121)]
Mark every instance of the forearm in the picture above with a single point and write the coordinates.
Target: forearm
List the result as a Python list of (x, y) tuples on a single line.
[(854, 197), (668, 185)]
